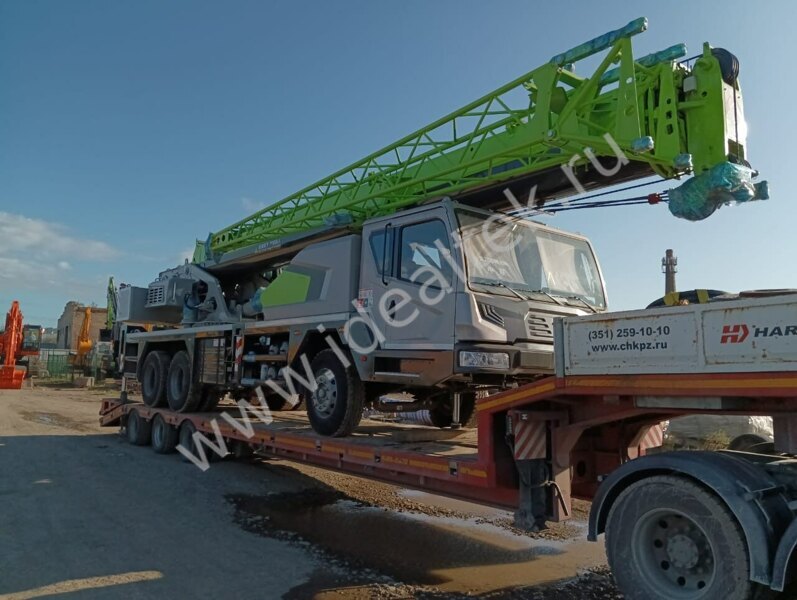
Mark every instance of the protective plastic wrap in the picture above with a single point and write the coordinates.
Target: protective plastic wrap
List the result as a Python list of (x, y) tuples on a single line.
[(697, 431), (724, 183)]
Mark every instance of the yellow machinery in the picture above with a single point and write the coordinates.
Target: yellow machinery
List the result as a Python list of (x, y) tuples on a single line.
[(84, 343)]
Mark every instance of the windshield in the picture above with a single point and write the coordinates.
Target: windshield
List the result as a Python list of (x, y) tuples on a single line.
[(523, 257)]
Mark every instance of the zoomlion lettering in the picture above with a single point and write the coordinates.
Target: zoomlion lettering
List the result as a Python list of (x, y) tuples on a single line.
[(738, 333), (632, 346)]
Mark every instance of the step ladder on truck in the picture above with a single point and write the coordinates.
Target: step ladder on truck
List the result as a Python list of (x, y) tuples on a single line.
[(283, 290)]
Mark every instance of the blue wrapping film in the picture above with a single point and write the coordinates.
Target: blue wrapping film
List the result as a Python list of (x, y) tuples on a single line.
[(724, 183)]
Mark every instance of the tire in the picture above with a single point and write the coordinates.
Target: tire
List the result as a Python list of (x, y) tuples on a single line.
[(164, 436), (241, 450), (185, 436), (746, 442), (186, 440), (182, 393), (335, 407), (138, 429), (209, 398), (153, 378), (442, 414), (667, 537)]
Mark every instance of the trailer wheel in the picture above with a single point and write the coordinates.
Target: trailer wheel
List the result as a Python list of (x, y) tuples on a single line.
[(746, 442), (241, 450), (668, 538), (186, 437), (335, 407), (442, 413), (164, 436), (210, 398), (138, 429), (153, 378), (181, 392)]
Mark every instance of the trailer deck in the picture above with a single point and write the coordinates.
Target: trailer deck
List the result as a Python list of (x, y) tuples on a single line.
[(478, 464)]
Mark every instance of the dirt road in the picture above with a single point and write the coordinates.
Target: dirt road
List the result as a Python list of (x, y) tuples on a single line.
[(82, 511)]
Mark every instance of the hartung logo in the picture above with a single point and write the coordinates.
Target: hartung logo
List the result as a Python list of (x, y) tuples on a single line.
[(734, 334)]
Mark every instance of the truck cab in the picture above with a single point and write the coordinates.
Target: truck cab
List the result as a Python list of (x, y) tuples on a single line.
[(462, 295)]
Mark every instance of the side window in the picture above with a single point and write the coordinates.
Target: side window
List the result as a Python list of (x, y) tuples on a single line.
[(420, 260), (378, 248)]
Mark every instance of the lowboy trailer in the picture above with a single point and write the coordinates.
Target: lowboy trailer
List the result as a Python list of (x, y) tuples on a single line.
[(698, 524)]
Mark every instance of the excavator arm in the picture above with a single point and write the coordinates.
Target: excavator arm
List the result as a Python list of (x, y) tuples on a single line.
[(84, 343), (16, 341), (553, 131)]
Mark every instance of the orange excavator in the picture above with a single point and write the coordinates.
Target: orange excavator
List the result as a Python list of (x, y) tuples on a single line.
[(16, 341)]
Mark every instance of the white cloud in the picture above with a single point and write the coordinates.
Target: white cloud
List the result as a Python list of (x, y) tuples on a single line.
[(39, 255), (250, 205), (41, 240)]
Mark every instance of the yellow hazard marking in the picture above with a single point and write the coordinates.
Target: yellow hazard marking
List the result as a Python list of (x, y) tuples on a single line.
[(473, 472), (335, 449), (536, 391), (361, 454), (415, 463), (299, 443)]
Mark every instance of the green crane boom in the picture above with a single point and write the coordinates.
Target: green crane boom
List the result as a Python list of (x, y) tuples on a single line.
[(663, 116), (111, 298)]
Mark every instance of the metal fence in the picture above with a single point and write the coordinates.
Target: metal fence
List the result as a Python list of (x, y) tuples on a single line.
[(55, 365)]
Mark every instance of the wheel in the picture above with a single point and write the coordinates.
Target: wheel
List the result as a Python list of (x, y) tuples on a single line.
[(182, 394), (746, 442), (186, 440), (668, 538), (335, 407), (153, 378), (729, 65), (442, 413), (209, 398), (241, 450), (164, 436), (186, 437), (138, 429)]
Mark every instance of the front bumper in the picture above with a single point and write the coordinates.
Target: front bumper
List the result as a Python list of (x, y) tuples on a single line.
[(527, 359)]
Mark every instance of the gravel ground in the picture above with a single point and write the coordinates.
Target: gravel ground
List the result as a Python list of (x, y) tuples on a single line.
[(308, 532)]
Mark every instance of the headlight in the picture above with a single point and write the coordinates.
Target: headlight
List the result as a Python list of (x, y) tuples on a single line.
[(487, 360)]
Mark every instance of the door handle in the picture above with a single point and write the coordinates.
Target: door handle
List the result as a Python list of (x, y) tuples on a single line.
[(384, 253)]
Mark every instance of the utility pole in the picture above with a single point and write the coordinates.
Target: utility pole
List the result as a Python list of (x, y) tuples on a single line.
[(669, 266)]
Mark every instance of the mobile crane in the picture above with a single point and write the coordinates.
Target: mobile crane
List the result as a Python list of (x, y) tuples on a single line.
[(334, 281), (693, 525), (16, 341)]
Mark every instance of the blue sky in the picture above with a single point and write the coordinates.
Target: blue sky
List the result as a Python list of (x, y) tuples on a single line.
[(128, 129)]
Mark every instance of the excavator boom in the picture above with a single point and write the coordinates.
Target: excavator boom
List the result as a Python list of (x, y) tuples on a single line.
[(550, 130)]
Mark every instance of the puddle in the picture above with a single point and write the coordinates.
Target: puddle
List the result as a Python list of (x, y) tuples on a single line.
[(451, 554)]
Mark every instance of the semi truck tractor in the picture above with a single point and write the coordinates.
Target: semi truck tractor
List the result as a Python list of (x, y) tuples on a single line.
[(420, 269)]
